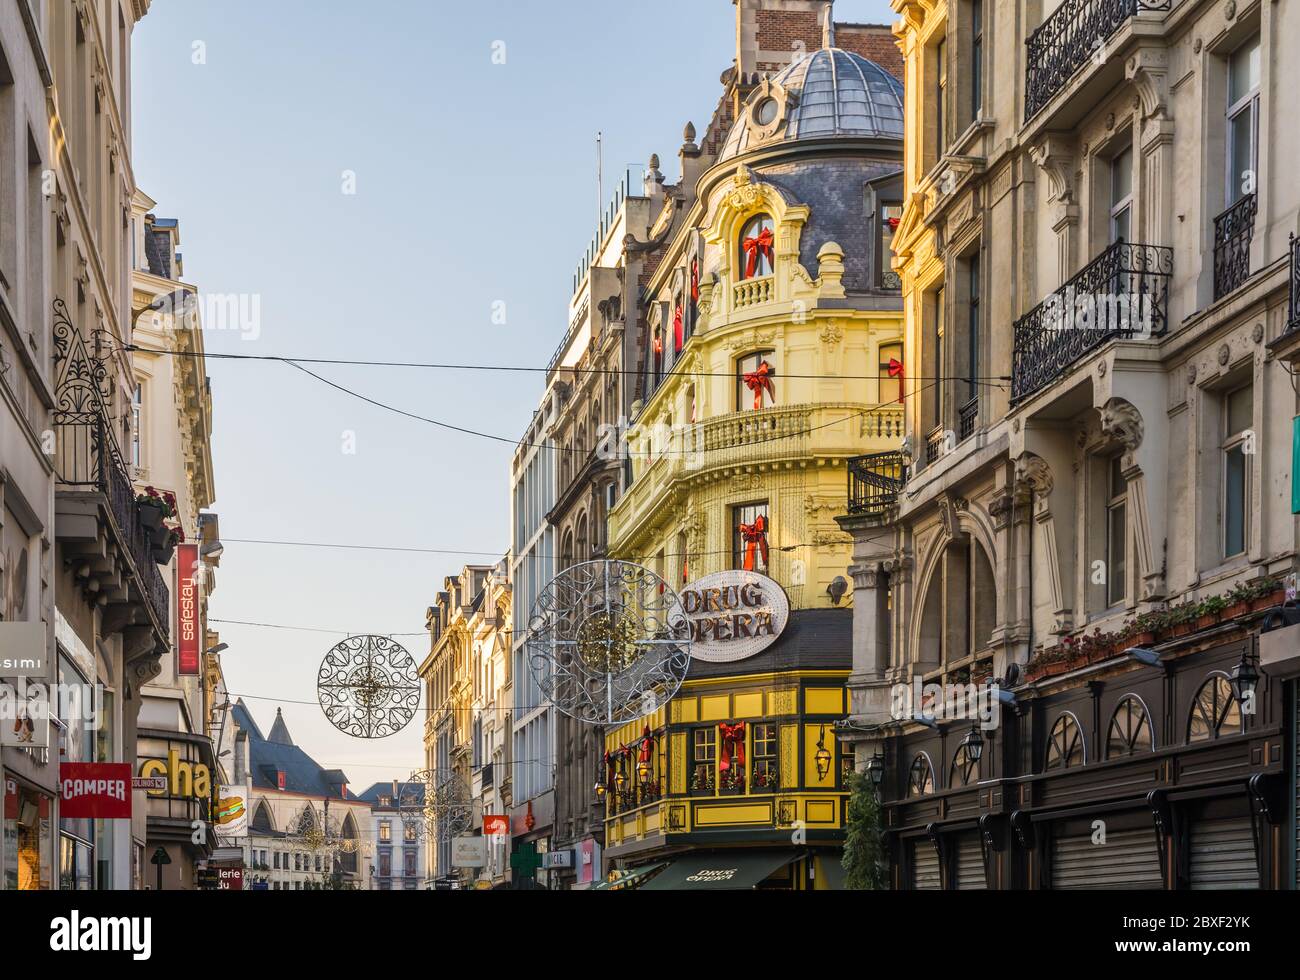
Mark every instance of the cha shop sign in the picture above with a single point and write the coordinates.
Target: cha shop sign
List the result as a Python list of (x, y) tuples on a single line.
[(187, 609), (734, 615), (95, 790)]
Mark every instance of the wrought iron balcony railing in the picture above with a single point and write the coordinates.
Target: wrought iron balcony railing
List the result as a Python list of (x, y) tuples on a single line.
[(88, 456), (1293, 310), (1122, 293), (966, 417), (874, 482), (1233, 231), (1071, 37)]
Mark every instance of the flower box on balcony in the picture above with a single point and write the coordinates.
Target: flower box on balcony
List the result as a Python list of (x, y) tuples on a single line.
[(1269, 600)]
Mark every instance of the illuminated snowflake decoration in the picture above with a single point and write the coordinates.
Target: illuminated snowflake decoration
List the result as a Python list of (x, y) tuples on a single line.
[(368, 687), (608, 642)]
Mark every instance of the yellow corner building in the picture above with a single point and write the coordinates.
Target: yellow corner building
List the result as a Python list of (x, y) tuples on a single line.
[(772, 353)]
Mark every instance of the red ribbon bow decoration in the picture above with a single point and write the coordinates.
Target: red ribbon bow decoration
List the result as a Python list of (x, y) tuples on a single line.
[(896, 371), (894, 223), (695, 280), (759, 381), (733, 738), (753, 246), (647, 745), (659, 344), (677, 328), (755, 537)]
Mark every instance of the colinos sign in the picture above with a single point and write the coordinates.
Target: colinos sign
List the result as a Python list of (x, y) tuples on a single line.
[(734, 615)]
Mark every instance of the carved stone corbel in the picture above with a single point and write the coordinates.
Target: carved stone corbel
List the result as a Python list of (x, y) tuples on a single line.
[(1147, 69), (1055, 155), (1033, 475)]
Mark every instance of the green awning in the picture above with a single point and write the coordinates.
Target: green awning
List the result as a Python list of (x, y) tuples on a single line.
[(634, 878), (722, 871)]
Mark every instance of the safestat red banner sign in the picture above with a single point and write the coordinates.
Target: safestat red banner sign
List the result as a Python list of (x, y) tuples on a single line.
[(187, 609), (95, 790)]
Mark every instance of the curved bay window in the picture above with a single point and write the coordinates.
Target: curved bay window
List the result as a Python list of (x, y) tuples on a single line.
[(920, 778), (755, 381), (1215, 712), (757, 247), (1065, 744), (1130, 730)]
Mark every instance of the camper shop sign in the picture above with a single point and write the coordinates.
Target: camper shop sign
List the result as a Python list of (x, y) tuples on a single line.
[(734, 615)]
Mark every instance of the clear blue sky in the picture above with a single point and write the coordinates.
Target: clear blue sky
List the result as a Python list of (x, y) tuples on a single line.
[(475, 184)]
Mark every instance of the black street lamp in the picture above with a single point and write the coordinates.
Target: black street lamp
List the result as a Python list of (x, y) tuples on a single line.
[(1245, 679), (973, 743), (876, 770)]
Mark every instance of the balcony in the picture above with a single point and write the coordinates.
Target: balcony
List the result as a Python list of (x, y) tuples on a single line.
[(752, 292), (874, 483), (1069, 39), (98, 521), (967, 416), (1233, 231), (1122, 294)]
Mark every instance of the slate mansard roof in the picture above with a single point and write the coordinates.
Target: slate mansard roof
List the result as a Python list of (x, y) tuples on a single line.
[(277, 753)]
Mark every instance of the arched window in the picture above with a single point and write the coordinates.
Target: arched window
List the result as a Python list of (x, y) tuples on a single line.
[(566, 551), (262, 820), (347, 858), (920, 781), (583, 545), (1065, 744), (964, 771), (1130, 729), (757, 247), (1215, 712)]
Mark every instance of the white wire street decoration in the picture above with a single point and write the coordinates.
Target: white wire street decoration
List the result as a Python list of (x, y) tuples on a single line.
[(448, 809), (608, 641), (309, 830), (367, 686)]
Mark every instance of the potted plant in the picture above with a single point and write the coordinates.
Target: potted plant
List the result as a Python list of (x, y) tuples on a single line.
[(164, 544), (1238, 601), (1209, 611), (1268, 592), (1141, 631), (154, 507), (1182, 619)]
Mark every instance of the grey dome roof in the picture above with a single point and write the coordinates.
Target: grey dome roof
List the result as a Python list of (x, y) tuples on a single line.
[(840, 94)]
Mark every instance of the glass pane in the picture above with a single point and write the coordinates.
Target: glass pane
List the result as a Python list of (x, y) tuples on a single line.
[(1115, 558), (1118, 485), (1243, 73), (1241, 140), (1121, 176), (1234, 503), (1240, 410), (1120, 226)]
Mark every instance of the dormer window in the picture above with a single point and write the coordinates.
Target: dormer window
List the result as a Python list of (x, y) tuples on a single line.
[(757, 244)]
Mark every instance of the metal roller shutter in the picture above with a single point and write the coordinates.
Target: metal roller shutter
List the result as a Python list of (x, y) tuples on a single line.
[(925, 866), (970, 862), (1223, 854), (1128, 859)]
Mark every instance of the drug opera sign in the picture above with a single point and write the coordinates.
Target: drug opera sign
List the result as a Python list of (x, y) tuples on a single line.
[(734, 615)]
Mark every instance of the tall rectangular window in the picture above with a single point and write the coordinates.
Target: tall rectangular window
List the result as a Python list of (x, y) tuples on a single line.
[(890, 379), (1116, 532), (973, 329), (704, 755), (755, 384), (1238, 410), (137, 420), (936, 378), (765, 761), (889, 214), (940, 99), (1243, 121), (976, 58), (750, 528)]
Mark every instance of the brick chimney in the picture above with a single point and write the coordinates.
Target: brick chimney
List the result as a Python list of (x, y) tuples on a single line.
[(875, 42), (771, 34)]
